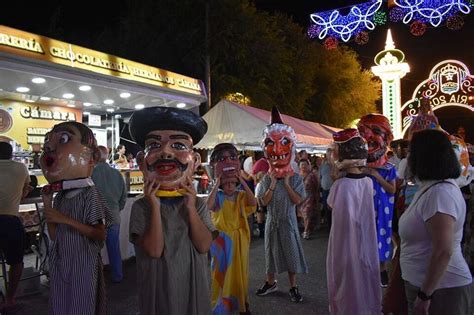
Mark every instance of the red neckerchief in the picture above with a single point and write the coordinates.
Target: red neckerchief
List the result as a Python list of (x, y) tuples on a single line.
[(67, 184)]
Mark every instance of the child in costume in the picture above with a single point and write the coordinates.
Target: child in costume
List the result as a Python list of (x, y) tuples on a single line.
[(76, 221), (352, 263), (281, 190), (169, 226), (230, 250), (376, 130)]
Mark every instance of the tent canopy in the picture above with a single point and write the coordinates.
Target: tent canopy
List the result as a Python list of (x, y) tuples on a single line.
[(243, 126)]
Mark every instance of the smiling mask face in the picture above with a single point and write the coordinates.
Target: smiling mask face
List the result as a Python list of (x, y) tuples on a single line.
[(68, 152), (168, 158), (226, 164)]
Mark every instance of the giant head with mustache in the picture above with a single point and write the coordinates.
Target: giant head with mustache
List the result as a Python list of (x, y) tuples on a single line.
[(167, 135), (376, 130)]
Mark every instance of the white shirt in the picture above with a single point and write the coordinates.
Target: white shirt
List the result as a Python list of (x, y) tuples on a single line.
[(416, 247)]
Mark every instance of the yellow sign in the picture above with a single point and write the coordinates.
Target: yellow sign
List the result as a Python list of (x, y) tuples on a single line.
[(42, 48), (31, 122)]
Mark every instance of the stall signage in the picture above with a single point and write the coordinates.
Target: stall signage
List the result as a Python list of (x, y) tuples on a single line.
[(36, 135), (22, 43), (37, 113), (83, 58)]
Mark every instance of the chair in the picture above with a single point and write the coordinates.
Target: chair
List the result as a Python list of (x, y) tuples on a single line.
[(4, 275)]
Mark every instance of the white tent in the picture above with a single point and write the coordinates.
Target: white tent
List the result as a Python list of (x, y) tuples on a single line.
[(243, 126)]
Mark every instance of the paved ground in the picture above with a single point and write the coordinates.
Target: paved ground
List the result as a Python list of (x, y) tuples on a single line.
[(123, 299)]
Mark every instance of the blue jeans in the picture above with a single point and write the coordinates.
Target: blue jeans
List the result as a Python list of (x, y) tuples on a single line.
[(113, 250)]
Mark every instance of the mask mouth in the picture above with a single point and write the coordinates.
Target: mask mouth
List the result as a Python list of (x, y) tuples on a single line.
[(278, 157), (49, 160), (166, 166)]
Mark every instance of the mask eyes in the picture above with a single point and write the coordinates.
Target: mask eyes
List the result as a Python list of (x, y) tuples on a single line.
[(64, 138), (179, 146), (284, 141), (231, 157), (269, 141), (152, 146)]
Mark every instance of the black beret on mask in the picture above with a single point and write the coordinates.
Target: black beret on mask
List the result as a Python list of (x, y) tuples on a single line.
[(146, 120)]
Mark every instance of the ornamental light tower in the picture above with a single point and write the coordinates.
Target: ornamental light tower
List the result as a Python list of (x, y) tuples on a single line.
[(390, 67)]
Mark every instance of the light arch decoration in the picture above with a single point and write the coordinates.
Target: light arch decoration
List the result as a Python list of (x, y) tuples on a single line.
[(450, 83), (334, 23), (433, 12)]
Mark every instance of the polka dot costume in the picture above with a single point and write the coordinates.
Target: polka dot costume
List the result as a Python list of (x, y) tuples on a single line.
[(384, 204)]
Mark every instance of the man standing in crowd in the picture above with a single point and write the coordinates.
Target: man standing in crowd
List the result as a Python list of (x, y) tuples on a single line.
[(14, 186), (111, 185)]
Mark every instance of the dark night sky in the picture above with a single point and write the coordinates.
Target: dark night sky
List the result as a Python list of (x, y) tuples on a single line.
[(422, 53)]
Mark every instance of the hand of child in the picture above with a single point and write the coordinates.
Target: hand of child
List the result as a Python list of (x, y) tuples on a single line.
[(47, 198), (149, 189), (54, 216), (287, 178), (189, 193), (273, 180), (369, 171)]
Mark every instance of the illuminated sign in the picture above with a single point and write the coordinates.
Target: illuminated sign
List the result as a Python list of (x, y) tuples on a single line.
[(37, 113), (46, 49), (449, 84), (18, 42)]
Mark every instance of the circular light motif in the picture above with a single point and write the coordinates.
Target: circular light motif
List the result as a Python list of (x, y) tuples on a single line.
[(181, 105), (45, 98), (108, 102), (362, 38), (110, 110), (455, 22), (139, 106), (330, 43), (125, 95), (87, 104), (396, 14), (418, 28)]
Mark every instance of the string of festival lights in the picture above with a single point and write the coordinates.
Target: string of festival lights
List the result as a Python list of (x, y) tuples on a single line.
[(354, 22)]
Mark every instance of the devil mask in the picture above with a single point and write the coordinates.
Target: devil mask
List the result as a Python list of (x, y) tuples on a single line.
[(375, 129), (69, 152), (279, 146), (226, 164), (167, 136)]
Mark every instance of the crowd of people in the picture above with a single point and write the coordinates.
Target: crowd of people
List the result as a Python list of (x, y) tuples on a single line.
[(396, 222)]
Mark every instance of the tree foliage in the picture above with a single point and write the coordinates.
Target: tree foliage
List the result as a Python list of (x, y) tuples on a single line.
[(266, 57)]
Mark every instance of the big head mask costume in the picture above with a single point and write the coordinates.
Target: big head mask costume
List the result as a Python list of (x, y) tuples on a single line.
[(460, 148), (279, 146), (167, 136), (376, 130), (350, 149), (226, 164), (69, 152)]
